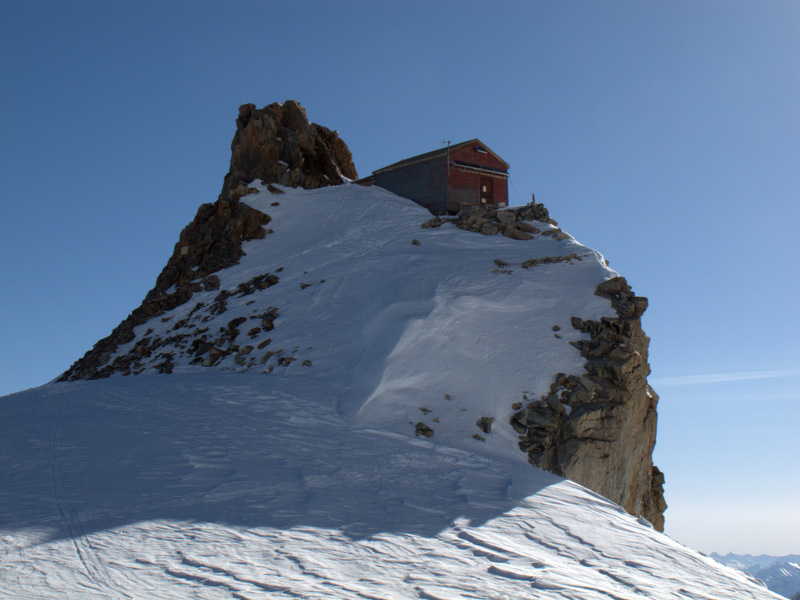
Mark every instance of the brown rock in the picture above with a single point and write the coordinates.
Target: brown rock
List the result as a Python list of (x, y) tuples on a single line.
[(506, 216), (612, 287), (516, 234), (434, 223), (422, 429), (490, 221), (211, 283), (527, 227), (277, 144), (485, 424)]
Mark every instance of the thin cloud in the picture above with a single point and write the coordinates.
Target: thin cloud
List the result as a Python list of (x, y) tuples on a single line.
[(724, 377)]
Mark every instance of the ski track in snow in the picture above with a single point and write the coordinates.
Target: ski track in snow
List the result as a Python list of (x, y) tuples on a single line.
[(308, 482)]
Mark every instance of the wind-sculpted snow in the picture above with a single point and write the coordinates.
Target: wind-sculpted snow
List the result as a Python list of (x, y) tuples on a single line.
[(209, 485)]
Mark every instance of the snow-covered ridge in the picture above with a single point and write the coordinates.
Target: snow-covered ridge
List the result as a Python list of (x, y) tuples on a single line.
[(349, 289), (258, 476)]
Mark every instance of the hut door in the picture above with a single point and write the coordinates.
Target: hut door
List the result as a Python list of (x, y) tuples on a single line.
[(487, 190)]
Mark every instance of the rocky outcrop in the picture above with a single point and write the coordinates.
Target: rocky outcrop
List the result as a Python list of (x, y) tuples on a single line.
[(277, 144), (211, 242), (511, 222), (599, 428)]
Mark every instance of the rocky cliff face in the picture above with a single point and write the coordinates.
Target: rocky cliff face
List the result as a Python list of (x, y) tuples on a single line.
[(276, 144), (599, 428)]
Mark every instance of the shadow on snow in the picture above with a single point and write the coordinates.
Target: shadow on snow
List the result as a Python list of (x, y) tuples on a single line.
[(231, 449)]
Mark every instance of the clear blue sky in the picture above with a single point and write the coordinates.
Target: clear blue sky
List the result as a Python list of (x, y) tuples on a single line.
[(666, 135)]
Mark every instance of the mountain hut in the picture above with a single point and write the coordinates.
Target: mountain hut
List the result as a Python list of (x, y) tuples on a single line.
[(444, 180)]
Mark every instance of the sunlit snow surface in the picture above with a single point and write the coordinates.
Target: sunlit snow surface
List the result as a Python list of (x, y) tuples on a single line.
[(211, 486), (308, 482)]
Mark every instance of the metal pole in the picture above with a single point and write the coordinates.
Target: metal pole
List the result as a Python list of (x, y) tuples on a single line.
[(447, 180)]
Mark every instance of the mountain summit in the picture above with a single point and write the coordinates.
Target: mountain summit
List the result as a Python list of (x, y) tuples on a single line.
[(557, 361), (329, 393)]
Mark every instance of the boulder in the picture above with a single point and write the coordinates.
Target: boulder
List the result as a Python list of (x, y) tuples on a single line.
[(506, 216), (526, 227), (516, 234)]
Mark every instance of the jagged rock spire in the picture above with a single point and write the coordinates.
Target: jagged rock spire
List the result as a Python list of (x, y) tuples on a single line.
[(277, 144)]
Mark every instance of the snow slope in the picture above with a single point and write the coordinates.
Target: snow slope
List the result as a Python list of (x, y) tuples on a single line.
[(392, 327), (293, 480), (216, 486)]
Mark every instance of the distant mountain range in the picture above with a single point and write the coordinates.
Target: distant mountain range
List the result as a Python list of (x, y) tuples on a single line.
[(781, 574)]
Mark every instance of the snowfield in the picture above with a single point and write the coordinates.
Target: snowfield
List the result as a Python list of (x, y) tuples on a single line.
[(209, 486), (270, 478)]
